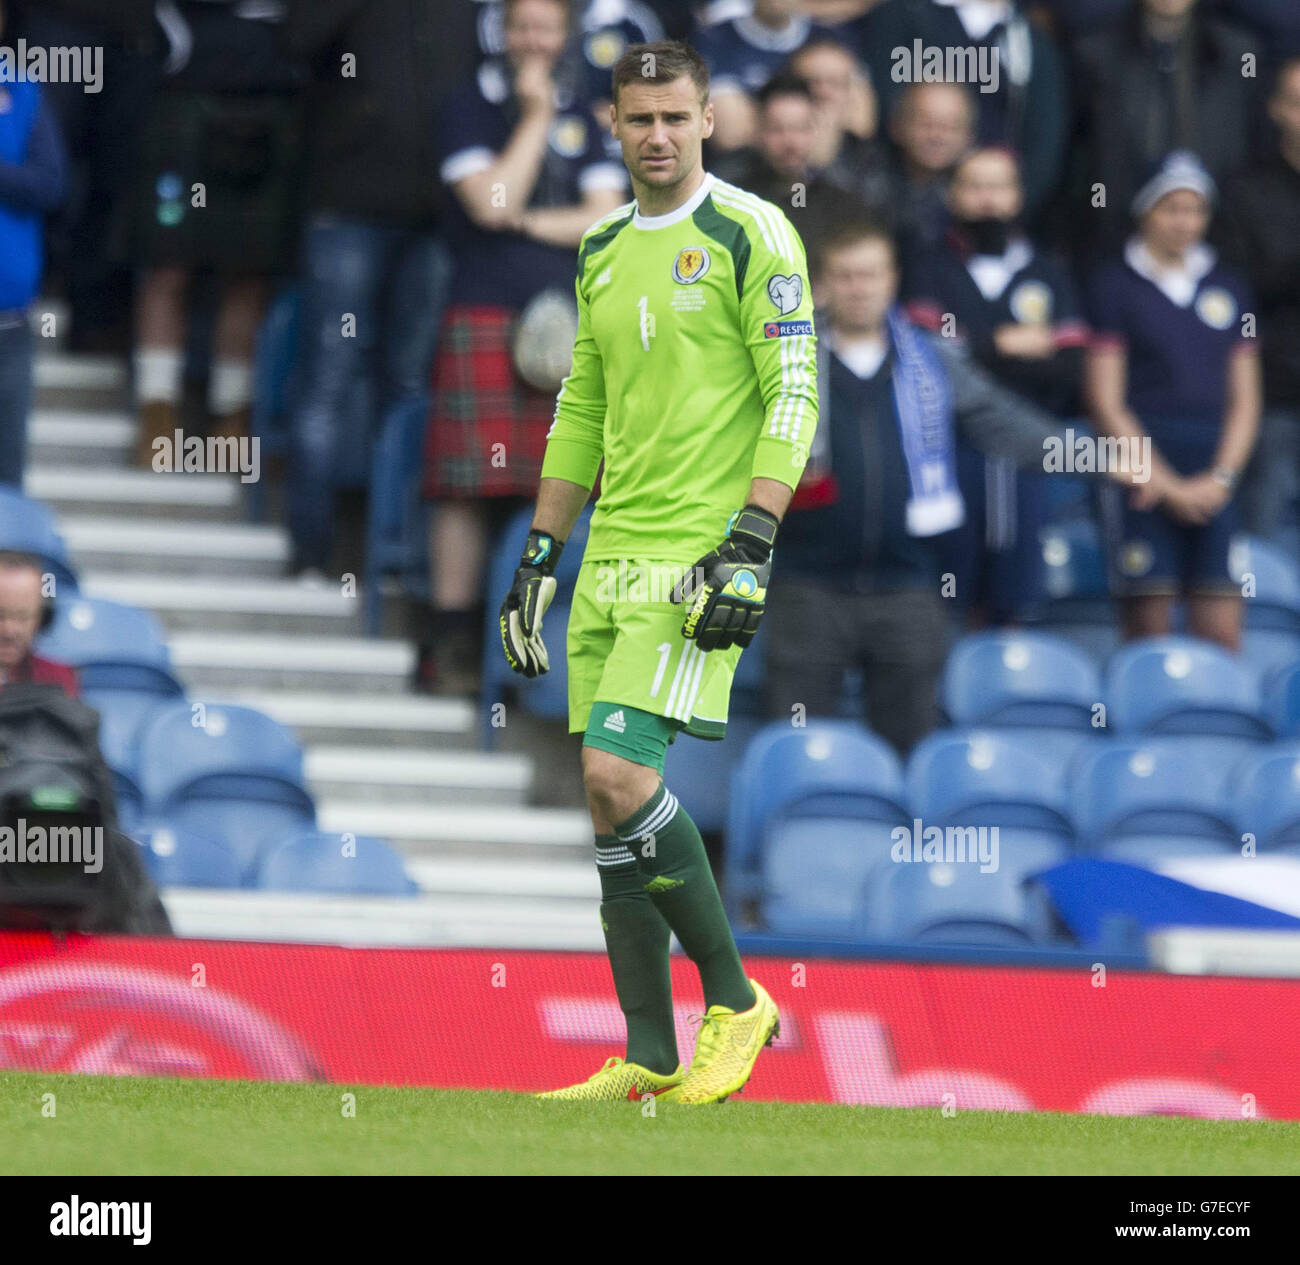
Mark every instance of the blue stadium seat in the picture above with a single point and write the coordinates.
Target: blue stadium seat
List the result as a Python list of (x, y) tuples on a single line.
[(124, 715), (1068, 497), (815, 874), (544, 695), (247, 825), (120, 653), (747, 684), (957, 903), (354, 865), (828, 768), (1273, 598), (1019, 678), (130, 800), (28, 526), (1150, 850), (1057, 747), (181, 858), (122, 644), (699, 771), (1131, 788), (984, 778), (1181, 685), (191, 741), (1079, 606), (1282, 699), (237, 777), (1267, 786), (1265, 650)]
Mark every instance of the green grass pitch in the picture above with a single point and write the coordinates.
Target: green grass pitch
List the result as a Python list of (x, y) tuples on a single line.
[(135, 1126)]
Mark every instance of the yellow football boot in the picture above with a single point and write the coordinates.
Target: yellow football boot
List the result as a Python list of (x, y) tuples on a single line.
[(617, 1081), (729, 1044)]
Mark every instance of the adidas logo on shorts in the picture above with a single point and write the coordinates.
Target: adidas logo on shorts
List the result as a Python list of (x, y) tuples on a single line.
[(616, 721)]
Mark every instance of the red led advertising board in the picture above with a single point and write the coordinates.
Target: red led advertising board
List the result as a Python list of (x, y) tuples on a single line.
[(880, 1033)]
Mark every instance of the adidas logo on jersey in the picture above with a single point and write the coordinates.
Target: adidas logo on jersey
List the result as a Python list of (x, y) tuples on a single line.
[(616, 721), (604, 279)]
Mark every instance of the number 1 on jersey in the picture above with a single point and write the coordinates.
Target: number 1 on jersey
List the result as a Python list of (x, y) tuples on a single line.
[(647, 321)]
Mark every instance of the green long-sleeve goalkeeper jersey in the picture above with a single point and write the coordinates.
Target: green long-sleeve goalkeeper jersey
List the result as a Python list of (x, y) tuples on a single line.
[(694, 370)]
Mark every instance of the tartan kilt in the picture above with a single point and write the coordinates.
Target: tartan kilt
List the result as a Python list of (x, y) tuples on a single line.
[(479, 400)]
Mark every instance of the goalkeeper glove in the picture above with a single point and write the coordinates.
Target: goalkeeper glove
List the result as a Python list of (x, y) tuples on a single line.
[(530, 594), (728, 587)]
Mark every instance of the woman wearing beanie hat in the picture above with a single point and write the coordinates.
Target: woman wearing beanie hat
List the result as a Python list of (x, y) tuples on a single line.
[(1173, 371)]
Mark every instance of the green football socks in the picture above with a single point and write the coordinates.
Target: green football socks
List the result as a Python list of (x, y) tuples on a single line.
[(636, 938), (675, 871)]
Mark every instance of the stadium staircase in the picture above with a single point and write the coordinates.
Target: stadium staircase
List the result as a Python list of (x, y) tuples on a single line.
[(495, 868)]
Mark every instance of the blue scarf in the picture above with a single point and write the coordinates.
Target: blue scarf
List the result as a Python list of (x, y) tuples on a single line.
[(923, 403)]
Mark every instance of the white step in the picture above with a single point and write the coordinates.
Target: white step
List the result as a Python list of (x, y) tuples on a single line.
[(133, 491), (395, 719), (187, 546), (221, 661), (79, 373), (204, 602), (553, 877), (396, 775), (451, 824), (81, 435), (522, 922)]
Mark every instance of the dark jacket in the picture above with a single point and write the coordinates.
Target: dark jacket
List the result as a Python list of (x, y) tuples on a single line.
[(129, 21), (35, 670), (1139, 100), (1259, 232), (373, 150), (939, 283), (855, 539)]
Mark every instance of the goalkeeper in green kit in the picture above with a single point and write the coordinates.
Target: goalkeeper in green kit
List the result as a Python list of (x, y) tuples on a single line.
[(694, 380)]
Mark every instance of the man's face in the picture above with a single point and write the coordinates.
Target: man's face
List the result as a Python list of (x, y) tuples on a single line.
[(20, 613), (986, 187), (661, 128), (1177, 221), (829, 73), (858, 284), (933, 127), (535, 28), (786, 134), (1284, 108)]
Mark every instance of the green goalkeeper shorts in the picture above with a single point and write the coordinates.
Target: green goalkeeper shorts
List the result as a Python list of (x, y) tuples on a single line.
[(625, 647)]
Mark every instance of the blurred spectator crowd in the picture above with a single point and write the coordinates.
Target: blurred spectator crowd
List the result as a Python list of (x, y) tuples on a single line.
[(354, 222)]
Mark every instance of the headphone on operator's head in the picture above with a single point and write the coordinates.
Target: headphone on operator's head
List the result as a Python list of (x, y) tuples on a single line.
[(48, 608)]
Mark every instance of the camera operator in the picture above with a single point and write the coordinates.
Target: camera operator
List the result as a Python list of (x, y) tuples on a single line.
[(24, 612)]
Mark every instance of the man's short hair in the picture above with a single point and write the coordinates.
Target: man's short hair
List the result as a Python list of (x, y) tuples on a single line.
[(507, 5), (854, 232), (907, 96), (13, 559), (660, 62), (784, 84), (826, 41), (980, 151)]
